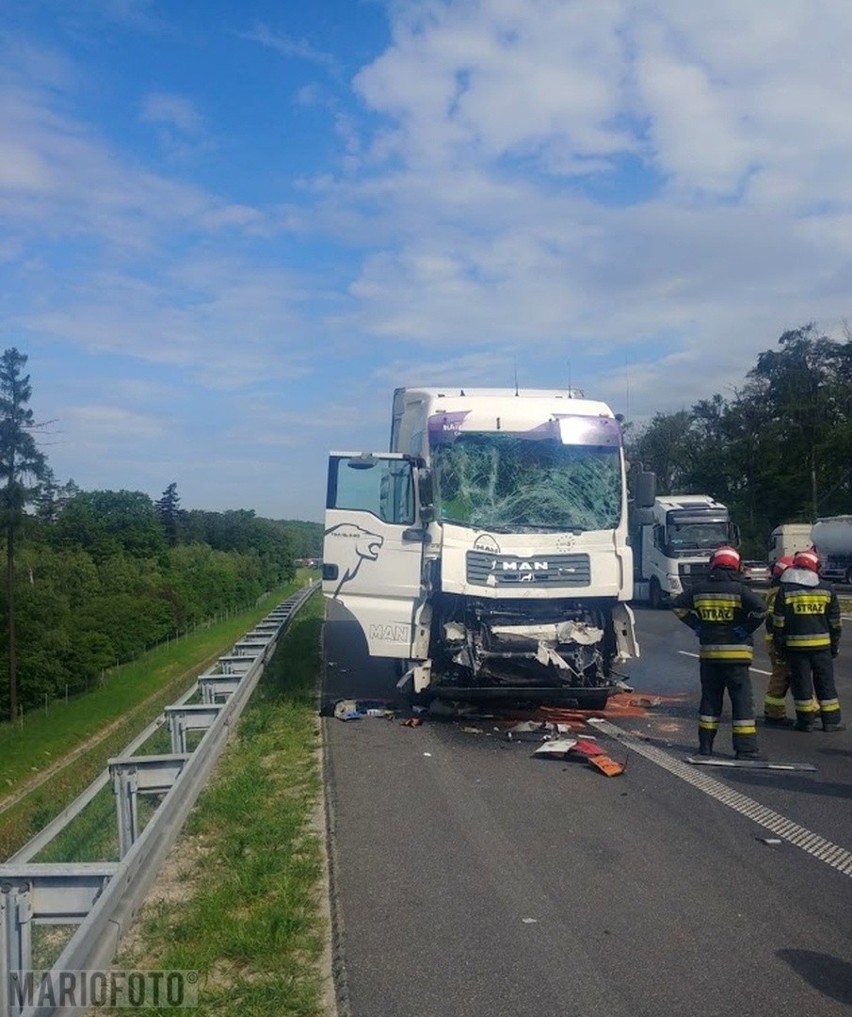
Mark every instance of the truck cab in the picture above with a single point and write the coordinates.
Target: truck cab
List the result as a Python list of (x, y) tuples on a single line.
[(487, 550), (672, 543)]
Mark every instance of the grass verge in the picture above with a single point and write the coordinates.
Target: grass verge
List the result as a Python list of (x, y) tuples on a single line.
[(109, 717), (239, 899)]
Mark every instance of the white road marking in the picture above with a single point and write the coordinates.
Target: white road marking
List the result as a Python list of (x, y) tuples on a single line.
[(756, 670), (824, 850)]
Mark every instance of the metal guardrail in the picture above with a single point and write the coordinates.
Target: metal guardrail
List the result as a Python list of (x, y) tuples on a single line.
[(104, 896)]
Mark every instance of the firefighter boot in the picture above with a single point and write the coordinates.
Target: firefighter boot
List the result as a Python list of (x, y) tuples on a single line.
[(705, 742)]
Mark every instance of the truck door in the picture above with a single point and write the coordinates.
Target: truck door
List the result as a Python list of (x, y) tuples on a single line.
[(373, 546)]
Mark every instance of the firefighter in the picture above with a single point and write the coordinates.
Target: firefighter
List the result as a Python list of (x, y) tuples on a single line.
[(806, 632), (724, 613), (775, 700)]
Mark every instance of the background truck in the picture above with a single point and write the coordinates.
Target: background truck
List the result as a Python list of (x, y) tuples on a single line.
[(487, 550), (787, 539), (832, 538), (672, 543)]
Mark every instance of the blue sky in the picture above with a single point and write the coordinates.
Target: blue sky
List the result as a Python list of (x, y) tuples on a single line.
[(228, 230)]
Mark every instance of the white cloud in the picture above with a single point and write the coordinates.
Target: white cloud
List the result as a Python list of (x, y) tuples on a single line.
[(652, 190), (175, 110), (286, 46), (744, 113), (106, 424)]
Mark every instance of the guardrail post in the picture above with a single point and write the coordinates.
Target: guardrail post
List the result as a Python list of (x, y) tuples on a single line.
[(212, 686), (15, 940), (124, 788), (135, 775), (189, 717), (177, 732)]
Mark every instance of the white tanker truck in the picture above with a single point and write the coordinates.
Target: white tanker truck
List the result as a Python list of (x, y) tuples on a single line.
[(832, 538)]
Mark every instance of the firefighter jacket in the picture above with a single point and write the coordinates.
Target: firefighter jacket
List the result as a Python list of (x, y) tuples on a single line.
[(806, 614), (724, 613), (771, 594)]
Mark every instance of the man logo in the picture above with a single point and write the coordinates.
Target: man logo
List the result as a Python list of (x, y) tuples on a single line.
[(390, 633)]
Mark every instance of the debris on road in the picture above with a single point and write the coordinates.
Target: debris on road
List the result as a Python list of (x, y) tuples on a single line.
[(347, 709), (354, 709), (558, 748), (588, 749), (749, 764), (538, 731)]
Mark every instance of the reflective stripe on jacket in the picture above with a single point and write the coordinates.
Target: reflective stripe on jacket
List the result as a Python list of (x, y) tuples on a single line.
[(771, 594), (805, 615), (724, 613)]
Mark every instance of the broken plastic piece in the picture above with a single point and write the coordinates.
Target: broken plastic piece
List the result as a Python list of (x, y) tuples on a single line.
[(528, 731), (558, 748), (607, 765), (346, 709)]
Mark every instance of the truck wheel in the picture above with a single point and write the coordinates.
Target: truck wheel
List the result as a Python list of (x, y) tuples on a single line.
[(655, 595)]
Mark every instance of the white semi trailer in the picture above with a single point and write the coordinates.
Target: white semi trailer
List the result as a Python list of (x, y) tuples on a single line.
[(487, 550), (787, 539), (832, 538)]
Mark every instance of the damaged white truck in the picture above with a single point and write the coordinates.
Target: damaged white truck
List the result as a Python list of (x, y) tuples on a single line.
[(487, 551)]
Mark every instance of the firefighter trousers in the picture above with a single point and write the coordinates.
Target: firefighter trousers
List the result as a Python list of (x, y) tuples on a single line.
[(717, 677), (775, 700), (812, 672)]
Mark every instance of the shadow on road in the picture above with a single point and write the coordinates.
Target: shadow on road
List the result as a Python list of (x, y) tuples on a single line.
[(828, 975)]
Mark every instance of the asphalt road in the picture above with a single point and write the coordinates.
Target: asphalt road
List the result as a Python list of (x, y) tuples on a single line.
[(472, 880)]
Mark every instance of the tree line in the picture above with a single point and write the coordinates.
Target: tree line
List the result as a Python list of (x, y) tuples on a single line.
[(777, 450), (93, 578)]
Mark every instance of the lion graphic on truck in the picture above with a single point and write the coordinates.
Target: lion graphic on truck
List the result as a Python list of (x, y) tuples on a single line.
[(363, 546)]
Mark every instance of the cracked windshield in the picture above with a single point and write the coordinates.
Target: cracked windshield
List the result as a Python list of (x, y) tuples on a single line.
[(688, 536), (511, 482)]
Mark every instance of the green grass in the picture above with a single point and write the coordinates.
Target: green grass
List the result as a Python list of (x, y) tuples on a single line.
[(134, 696), (247, 916)]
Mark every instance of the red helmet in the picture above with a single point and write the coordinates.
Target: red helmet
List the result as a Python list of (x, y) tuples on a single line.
[(725, 557), (781, 565), (807, 560)]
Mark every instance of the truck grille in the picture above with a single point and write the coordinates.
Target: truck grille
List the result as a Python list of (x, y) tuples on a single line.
[(485, 569)]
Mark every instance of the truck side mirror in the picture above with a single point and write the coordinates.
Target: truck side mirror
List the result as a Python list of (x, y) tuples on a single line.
[(645, 488)]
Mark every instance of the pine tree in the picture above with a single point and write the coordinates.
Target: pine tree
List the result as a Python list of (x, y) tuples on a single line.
[(168, 509), (22, 465)]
